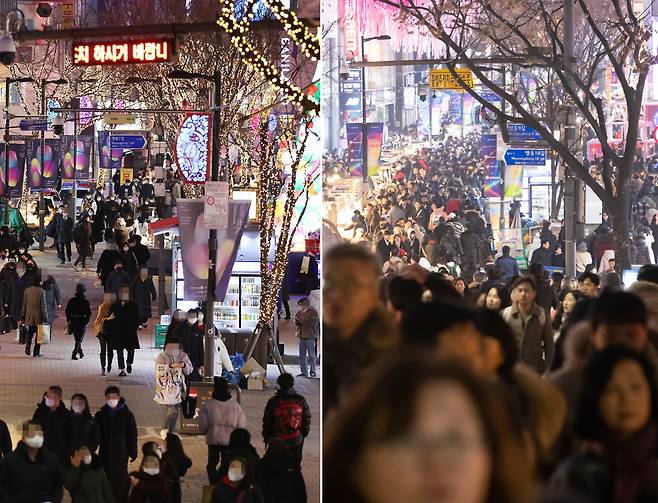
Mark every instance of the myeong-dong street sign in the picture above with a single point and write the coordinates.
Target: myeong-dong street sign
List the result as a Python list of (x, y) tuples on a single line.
[(34, 124), (525, 157), (127, 141), (520, 133)]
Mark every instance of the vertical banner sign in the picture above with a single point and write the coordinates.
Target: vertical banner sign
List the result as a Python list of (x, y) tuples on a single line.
[(216, 205), (108, 158), (42, 176), (375, 139), (492, 186), (83, 157), (513, 181), (194, 247), (349, 21), (16, 168), (193, 147), (354, 146)]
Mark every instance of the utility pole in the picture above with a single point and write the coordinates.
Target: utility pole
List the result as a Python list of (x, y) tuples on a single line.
[(364, 123), (568, 138), (6, 166)]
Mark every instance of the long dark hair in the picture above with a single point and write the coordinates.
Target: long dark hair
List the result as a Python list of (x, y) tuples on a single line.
[(557, 321), (384, 407)]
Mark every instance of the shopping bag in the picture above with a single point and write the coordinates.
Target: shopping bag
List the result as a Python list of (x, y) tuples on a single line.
[(188, 406), (43, 333), (207, 494)]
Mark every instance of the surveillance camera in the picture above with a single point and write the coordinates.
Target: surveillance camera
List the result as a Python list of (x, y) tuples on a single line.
[(58, 125), (344, 71), (7, 49), (44, 9), (422, 94)]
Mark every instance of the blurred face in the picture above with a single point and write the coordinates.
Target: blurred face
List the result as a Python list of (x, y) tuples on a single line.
[(633, 335), (524, 294), (53, 399), (492, 356), (625, 404), (492, 300), (441, 459), (463, 343), (568, 303), (588, 288), (350, 294)]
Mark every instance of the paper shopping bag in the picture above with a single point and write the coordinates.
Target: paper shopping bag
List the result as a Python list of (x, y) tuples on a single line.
[(43, 332)]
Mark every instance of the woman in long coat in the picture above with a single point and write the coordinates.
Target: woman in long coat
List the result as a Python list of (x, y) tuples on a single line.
[(143, 292), (125, 326), (53, 297)]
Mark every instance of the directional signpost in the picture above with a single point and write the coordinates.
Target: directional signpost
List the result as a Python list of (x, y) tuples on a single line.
[(520, 133), (525, 157), (128, 141), (34, 124)]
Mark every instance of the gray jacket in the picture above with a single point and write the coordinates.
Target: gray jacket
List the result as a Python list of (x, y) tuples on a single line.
[(536, 344), (217, 419)]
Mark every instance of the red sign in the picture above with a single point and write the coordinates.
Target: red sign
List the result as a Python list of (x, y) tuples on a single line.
[(122, 53)]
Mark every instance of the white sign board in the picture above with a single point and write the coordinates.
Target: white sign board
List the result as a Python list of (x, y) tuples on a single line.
[(215, 210), (593, 207)]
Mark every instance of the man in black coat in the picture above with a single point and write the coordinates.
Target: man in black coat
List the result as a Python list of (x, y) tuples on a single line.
[(107, 262), (126, 322), (117, 279), (383, 247), (31, 473), (53, 417), (141, 252), (65, 236), (287, 416), (143, 292), (191, 340), (542, 255), (118, 438)]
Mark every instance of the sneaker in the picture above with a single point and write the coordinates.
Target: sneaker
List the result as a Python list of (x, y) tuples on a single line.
[(129, 368), (122, 373), (82, 355), (313, 374), (74, 356), (27, 350)]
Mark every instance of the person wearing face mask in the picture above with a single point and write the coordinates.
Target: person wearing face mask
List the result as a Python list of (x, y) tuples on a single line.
[(167, 466), (187, 335), (98, 223), (129, 261), (82, 235), (118, 437), (238, 484), (143, 292), (78, 313), (64, 233), (125, 329), (171, 366), (31, 473), (141, 251), (53, 416), (34, 313), (85, 479), (148, 484), (107, 262), (53, 297), (10, 286), (82, 426), (118, 278)]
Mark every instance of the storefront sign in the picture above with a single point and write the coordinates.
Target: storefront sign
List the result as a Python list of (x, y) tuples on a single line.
[(216, 205), (350, 92), (443, 79), (124, 52), (350, 24)]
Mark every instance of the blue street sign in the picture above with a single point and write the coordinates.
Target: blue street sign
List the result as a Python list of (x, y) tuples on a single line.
[(34, 124), (525, 156), (127, 141), (519, 133)]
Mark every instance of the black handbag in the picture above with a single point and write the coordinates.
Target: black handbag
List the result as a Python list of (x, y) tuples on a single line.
[(107, 329), (188, 406)]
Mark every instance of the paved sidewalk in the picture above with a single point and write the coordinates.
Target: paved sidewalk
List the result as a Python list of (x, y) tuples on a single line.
[(24, 379)]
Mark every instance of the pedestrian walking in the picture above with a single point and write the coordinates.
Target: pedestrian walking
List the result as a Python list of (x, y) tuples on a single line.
[(82, 427), (218, 417), (307, 330), (287, 416), (53, 298), (53, 417), (118, 278), (175, 457), (124, 325), (282, 478), (141, 251), (118, 437), (31, 473), (103, 328), (148, 484), (85, 479), (78, 313), (82, 236), (143, 293), (238, 484), (171, 367), (107, 262), (34, 314), (64, 236)]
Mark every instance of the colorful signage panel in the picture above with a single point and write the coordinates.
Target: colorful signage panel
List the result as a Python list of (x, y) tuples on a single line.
[(16, 168), (46, 176), (124, 52)]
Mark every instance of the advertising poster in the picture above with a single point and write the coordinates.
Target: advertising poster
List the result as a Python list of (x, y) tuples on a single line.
[(82, 157), (108, 158), (16, 167), (375, 139), (194, 247), (354, 146), (46, 176), (513, 181)]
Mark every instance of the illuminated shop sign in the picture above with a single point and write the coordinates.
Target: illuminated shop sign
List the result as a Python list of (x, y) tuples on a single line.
[(122, 53)]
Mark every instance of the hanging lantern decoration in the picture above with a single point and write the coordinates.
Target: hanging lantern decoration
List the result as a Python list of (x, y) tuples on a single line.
[(193, 148)]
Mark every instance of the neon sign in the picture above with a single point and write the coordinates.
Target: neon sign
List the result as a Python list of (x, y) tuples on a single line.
[(122, 53)]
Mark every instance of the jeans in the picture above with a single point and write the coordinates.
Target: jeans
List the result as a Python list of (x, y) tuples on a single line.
[(215, 453), (171, 418), (32, 332), (306, 346), (106, 351), (78, 335), (131, 357), (61, 248)]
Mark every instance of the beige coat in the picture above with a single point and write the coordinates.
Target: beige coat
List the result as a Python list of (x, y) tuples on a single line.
[(34, 306)]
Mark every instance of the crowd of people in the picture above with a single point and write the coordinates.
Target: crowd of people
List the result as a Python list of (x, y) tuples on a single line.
[(453, 372)]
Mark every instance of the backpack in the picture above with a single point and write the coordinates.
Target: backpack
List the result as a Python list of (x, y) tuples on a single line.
[(288, 419)]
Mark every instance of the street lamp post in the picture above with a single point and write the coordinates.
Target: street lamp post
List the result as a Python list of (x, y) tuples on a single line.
[(8, 82), (364, 122), (209, 343), (42, 206)]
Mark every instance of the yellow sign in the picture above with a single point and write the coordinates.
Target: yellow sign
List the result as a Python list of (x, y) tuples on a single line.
[(115, 118), (126, 175), (68, 15), (443, 79)]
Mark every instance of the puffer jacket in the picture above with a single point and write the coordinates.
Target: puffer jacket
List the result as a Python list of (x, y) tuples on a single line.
[(217, 419)]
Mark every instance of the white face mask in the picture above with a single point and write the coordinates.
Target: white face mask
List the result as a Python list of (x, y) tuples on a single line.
[(78, 409), (87, 459), (50, 402), (35, 442), (192, 321), (112, 403), (235, 474), (151, 471)]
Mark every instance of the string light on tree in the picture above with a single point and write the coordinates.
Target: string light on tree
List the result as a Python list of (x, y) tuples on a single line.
[(307, 41)]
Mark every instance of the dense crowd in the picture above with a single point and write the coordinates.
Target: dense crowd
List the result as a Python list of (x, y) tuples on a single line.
[(452, 374)]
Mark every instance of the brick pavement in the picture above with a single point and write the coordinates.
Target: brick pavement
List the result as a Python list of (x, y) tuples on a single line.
[(23, 380)]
